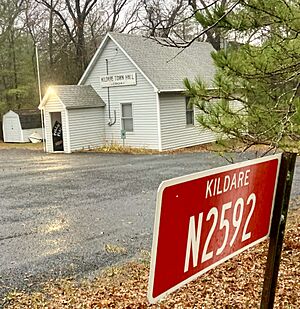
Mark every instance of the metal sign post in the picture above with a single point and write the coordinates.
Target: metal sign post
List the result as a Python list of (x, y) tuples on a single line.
[(282, 198), (123, 136)]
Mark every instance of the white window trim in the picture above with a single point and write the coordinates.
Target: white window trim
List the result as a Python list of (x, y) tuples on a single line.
[(190, 110), (121, 126)]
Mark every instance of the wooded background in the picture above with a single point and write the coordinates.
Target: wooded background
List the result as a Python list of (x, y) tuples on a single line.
[(257, 59), (67, 34)]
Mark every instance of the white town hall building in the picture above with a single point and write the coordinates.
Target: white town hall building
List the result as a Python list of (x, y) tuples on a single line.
[(133, 88)]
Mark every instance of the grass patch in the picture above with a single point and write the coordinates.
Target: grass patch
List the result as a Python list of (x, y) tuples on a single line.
[(116, 148), (30, 146), (220, 147), (111, 248)]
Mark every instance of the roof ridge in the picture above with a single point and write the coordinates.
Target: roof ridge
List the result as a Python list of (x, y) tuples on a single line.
[(154, 38), (163, 67)]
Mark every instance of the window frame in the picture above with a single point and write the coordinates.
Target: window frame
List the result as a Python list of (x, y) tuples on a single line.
[(188, 111), (126, 118)]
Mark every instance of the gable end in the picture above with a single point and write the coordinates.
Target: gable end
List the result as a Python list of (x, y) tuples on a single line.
[(98, 53)]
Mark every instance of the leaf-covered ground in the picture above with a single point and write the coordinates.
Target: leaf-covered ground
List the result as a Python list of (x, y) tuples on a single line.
[(235, 284)]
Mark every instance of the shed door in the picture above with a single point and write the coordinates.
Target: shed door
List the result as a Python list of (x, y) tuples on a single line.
[(57, 133), (12, 128)]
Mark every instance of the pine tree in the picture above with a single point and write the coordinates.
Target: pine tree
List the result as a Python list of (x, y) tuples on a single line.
[(255, 96)]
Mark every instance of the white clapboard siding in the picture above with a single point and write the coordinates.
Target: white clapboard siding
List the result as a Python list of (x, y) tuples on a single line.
[(12, 131), (54, 105), (86, 128), (174, 131), (141, 95)]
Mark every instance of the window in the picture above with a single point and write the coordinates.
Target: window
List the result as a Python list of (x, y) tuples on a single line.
[(126, 117), (189, 112)]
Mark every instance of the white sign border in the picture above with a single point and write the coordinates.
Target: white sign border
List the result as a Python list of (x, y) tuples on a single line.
[(177, 180), (108, 84)]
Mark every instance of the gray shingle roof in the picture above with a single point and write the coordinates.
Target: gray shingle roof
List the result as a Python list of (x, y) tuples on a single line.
[(78, 96), (161, 65)]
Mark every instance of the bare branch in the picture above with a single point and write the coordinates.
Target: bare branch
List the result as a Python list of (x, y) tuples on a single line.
[(183, 45)]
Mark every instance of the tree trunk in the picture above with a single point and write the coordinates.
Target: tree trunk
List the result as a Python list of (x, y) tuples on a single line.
[(81, 49), (14, 65), (50, 42)]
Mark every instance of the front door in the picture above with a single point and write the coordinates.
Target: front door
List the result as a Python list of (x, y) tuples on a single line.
[(57, 133)]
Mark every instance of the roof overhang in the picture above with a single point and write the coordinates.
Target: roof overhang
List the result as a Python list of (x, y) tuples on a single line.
[(180, 90), (50, 91), (84, 107), (170, 90)]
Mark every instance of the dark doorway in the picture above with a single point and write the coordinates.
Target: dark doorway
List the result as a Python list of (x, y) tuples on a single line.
[(57, 133)]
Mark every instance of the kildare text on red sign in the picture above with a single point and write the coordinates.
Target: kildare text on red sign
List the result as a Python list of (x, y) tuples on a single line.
[(205, 218)]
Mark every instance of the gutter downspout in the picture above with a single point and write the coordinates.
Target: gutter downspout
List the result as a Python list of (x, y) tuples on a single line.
[(110, 122)]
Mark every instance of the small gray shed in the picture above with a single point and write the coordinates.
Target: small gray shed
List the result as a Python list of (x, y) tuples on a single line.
[(73, 118), (19, 125)]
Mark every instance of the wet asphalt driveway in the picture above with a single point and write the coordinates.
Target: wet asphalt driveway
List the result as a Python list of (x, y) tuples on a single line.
[(71, 215)]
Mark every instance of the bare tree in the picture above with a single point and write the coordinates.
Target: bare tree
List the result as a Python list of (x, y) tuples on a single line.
[(90, 19), (161, 18), (185, 21), (120, 15), (130, 19), (74, 23), (53, 5), (117, 7)]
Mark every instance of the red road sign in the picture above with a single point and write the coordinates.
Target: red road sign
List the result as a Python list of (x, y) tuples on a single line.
[(203, 219)]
